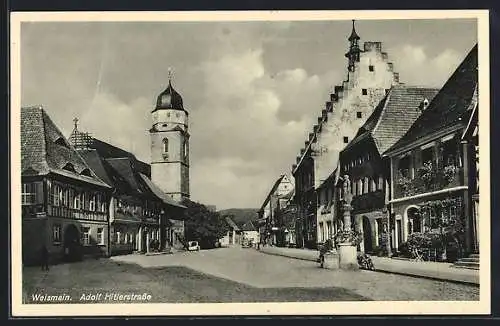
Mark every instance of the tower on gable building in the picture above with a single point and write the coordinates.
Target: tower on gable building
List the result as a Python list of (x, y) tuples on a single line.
[(370, 75), (170, 144)]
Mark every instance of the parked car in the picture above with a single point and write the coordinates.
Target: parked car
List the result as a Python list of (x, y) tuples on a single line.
[(193, 246)]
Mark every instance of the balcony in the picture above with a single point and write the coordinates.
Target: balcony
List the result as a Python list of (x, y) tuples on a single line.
[(427, 179)]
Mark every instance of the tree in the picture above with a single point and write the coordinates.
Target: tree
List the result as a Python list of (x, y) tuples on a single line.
[(203, 225)]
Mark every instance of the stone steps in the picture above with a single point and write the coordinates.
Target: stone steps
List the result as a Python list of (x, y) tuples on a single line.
[(471, 262)]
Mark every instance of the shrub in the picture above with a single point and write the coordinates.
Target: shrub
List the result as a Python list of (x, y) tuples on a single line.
[(365, 262)]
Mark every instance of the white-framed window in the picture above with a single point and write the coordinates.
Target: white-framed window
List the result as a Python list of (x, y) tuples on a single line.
[(365, 185), (118, 236), (28, 194), (373, 185), (360, 187), (83, 199), (380, 185), (56, 233), (56, 195), (92, 203), (85, 235), (100, 236), (65, 198), (125, 238), (353, 188), (98, 206), (77, 201)]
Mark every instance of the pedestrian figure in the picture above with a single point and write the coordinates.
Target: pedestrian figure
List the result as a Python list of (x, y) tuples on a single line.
[(45, 258)]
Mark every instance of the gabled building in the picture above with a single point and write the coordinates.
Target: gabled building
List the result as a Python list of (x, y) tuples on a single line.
[(233, 234), (361, 159), (430, 164), (250, 232), (370, 75), (268, 223), (141, 215), (65, 204)]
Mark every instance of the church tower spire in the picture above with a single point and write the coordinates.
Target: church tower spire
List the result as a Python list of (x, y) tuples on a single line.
[(353, 54), (170, 143)]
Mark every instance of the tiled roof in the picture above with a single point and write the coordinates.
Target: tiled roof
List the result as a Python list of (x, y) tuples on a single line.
[(231, 223), (248, 226), (123, 166), (393, 116), (450, 106), (106, 150), (329, 179), (275, 185), (159, 193), (45, 150)]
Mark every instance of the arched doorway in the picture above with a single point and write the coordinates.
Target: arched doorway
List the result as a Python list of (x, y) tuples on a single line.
[(367, 234), (72, 247)]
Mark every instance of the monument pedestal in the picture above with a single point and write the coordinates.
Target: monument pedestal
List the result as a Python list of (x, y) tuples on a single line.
[(331, 260), (348, 256)]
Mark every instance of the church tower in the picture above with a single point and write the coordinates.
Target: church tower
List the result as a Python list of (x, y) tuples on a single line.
[(170, 144)]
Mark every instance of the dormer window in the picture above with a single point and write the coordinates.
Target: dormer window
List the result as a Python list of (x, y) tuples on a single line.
[(86, 172), (69, 167), (60, 141)]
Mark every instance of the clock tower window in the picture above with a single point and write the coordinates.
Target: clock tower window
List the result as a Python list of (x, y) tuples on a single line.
[(165, 145)]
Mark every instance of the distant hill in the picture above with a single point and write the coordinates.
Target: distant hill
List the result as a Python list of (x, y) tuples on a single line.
[(241, 215)]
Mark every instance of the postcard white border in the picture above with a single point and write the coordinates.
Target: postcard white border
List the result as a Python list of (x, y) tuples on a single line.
[(303, 308)]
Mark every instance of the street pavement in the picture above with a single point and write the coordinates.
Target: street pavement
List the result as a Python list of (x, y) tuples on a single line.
[(428, 269), (253, 268)]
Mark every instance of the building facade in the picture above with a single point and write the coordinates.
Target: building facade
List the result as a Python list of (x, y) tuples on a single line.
[(270, 227), (370, 75), (141, 216), (368, 173), (64, 203), (430, 165)]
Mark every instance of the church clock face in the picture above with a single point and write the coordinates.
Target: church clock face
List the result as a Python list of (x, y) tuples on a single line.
[(166, 99)]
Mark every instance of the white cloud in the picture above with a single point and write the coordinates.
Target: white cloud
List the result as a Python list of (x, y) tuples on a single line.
[(416, 67)]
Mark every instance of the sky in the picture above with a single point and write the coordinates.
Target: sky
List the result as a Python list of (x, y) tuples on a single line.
[(253, 90)]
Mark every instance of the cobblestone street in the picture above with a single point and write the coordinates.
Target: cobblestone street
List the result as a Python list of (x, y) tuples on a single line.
[(256, 269)]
